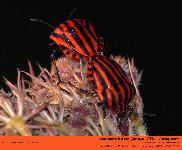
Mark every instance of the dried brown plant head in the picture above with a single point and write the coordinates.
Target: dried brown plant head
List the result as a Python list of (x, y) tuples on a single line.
[(63, 102)]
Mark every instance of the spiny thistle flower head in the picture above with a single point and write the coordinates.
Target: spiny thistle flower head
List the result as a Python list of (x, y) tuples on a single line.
[(63, 102)]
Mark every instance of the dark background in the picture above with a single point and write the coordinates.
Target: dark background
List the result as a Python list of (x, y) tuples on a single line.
[(150, 33)]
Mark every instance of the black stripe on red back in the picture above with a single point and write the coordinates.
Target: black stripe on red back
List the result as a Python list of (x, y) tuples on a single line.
[(120, 77), (101, 79), (64, 38), (77, 39), (113, 81), (91, 50)]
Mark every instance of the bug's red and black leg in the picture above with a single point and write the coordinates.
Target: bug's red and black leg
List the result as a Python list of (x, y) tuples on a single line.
[(90, 69), (57, 51), (72, 54), (56, 54), (100, 45)]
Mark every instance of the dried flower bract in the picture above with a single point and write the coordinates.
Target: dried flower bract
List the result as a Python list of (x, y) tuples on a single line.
[(62, 102)]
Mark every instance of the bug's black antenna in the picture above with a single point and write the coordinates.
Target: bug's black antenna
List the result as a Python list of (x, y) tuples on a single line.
[(39, 20), (72, 12)]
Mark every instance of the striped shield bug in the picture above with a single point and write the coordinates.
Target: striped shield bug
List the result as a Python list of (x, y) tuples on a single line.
[(113, 86), (79, 40), (78, 35)]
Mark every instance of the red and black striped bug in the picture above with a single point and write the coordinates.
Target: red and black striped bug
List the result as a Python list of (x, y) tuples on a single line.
[(79, 40), (78, 35)]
